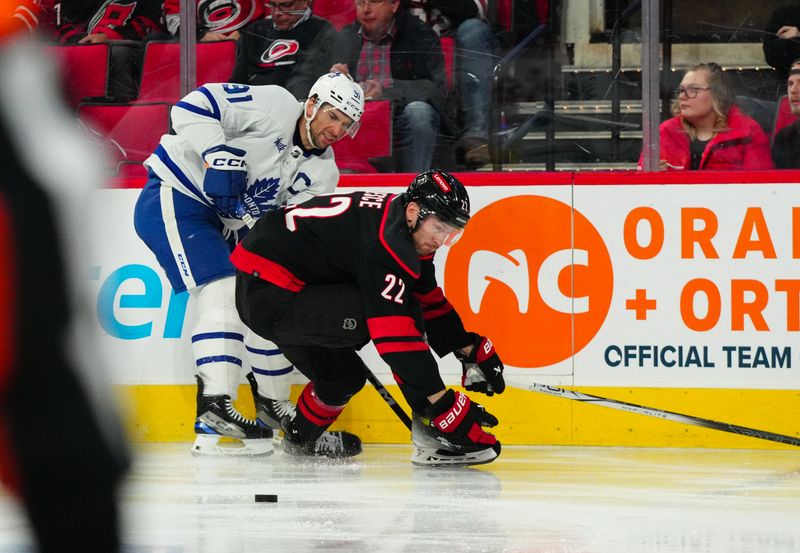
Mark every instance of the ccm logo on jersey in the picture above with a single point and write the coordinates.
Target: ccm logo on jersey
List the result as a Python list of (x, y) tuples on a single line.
[(230, 162), (279, 49), (441, 182), (445, 421)]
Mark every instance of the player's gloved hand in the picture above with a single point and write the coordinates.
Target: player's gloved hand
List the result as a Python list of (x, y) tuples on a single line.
[(482, 368), (226, 177), (460, 421), (260, 197)]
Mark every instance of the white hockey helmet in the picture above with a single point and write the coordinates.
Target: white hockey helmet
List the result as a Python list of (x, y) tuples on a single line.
[(339, 90)]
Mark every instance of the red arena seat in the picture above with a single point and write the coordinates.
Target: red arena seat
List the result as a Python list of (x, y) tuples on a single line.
[(374, 140), (161, 77), (130, 131), (339, 12), (84, 70)]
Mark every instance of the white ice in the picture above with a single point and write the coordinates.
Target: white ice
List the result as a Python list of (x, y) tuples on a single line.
[(531, 500)]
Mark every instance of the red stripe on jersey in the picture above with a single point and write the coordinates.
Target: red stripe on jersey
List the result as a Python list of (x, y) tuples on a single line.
[(265, 269), (314, 410), (438, 312), (434, 297), (400, 347), (401, 325), (386, 244)]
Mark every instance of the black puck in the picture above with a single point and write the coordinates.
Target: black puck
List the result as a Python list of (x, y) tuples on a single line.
[(266, 498)]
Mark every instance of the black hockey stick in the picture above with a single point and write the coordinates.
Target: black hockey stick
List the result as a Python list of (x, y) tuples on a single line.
[(661, 414), (387, 397)]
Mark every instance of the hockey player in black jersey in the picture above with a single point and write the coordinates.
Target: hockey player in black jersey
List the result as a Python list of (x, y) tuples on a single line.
[(324, 277)]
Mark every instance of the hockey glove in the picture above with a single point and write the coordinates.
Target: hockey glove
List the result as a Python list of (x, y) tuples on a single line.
[(482, 369), (457, 423), (226, 177)]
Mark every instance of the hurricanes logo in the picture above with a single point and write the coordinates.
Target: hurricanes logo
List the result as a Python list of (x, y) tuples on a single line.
[(279, 49), (519, 280), (225, 16)]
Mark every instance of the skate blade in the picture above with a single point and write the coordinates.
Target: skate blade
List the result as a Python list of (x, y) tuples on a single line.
[(431, 457), (210, 444)]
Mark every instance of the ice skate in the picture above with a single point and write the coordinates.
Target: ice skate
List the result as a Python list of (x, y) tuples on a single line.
[(269, 412), (334, 445), (302, 437), (433, 449), (217, 418)]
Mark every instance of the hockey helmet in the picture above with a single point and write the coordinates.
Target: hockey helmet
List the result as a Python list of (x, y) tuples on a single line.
[(339, 90), (441, 194)]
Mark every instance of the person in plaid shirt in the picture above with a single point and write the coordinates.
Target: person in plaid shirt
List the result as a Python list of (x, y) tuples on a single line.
[(393, 55)]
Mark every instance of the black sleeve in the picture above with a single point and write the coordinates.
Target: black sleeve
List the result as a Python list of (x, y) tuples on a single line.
[(443, 325), (781, 52), (314, 62), (786, 148), (240, 70)]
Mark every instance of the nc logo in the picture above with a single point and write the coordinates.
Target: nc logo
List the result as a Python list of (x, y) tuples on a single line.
[(535, 275), (511, 270)]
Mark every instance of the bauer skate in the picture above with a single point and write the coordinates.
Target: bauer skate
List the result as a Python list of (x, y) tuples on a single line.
[(433, 449), (269, 412), (217, 418)]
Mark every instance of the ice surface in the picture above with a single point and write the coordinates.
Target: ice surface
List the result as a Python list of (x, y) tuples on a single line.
[(531, 500)]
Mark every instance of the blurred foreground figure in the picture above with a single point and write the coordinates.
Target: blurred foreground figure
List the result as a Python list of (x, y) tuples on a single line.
[(61, 451)]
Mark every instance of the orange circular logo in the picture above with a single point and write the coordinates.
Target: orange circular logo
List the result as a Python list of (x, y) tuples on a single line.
[(514, 276)]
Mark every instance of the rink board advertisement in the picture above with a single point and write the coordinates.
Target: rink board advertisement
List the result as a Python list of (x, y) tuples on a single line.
[(686, 295)]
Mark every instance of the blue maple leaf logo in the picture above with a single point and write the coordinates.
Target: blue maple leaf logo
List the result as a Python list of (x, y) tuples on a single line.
[(264, 191)]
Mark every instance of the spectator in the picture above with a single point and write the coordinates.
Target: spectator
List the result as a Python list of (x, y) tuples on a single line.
[(475, 49), (100, 21), (215, 20), (290, 48), (708, 130), (786, 144), (781, 40), (393, 55)]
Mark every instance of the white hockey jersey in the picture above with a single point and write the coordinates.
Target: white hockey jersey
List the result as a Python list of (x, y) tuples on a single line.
[(262, 121)]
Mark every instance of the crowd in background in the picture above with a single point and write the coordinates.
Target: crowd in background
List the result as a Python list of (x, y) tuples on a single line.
[(440, 100)]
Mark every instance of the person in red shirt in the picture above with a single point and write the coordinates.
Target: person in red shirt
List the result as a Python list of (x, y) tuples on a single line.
[(708, 131)]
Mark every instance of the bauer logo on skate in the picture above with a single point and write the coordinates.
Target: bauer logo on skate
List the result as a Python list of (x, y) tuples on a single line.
[(512, 277)]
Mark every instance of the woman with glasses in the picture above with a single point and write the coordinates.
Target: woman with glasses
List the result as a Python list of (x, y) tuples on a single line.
[(708, 131)]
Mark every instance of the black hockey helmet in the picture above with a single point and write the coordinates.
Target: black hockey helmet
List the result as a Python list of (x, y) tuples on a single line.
[(441, 194)]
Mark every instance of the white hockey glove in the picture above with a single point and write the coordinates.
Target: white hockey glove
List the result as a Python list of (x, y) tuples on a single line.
[(225, 178), (482, 370)]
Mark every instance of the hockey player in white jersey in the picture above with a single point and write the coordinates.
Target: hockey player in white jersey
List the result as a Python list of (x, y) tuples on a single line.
[(237, 151)]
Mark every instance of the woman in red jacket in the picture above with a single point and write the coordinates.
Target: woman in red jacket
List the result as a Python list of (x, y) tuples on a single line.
[(708, 130)]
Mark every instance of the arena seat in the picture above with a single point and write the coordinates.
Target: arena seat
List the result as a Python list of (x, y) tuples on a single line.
[(84, 70), (339, 12), (374, 140), (130, 132), (161, 78)]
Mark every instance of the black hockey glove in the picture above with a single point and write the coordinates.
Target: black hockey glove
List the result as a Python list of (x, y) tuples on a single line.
[(225, 178), (459, 421), (482, 369)]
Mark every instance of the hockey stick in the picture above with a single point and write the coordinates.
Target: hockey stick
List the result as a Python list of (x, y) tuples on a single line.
[(387, 397), (662, 414)]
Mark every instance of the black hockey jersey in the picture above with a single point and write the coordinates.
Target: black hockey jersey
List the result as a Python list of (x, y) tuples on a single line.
[(293, 59), (362, 238)]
